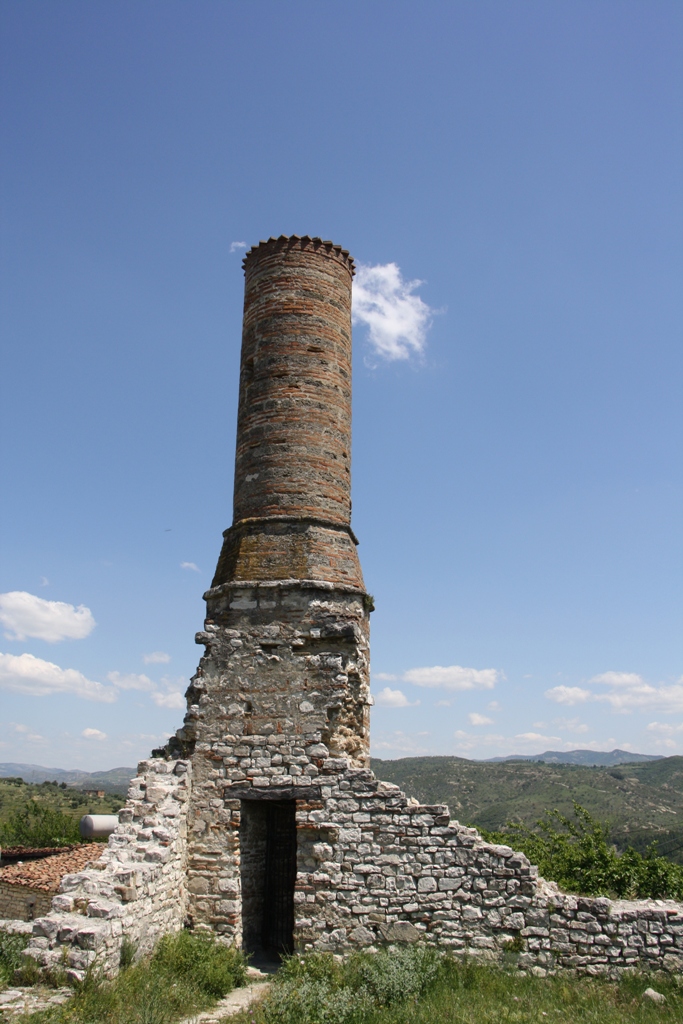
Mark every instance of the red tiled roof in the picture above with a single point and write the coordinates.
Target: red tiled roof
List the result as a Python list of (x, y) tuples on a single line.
[(47, 873)]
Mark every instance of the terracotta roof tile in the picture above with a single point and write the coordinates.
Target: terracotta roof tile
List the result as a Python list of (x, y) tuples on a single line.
[(47, 873)]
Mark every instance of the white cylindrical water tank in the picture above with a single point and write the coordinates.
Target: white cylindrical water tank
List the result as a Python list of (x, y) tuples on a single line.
[(97, 826)]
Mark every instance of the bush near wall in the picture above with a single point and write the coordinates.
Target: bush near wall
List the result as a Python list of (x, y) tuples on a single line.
[(576, 853)]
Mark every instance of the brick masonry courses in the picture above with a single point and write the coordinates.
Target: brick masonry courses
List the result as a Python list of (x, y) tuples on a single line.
[(279, 710)]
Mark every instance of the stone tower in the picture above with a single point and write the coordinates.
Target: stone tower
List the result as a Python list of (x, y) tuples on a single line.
[(261, 820), (283, 686)]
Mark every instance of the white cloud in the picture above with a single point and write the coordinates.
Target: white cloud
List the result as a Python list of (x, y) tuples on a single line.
[(94, 734), (629, 679), (25, 731), (668, 736), (665, 728), (568, 695), (174, 699), (156, 658), (130, 681), (385, 677), (493, 705), (24, 615), (453, 677), (397, 320), (477, 719), (536, 737), (402, 743), (627, 692), (191, 566), (236, 246), (522, 743), (388, 698), (574, 725), (44, 581), (174, 696), (630, 692), (35, 677)]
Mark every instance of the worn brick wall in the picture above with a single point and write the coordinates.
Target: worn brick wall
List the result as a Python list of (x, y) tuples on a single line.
[(292, 496)]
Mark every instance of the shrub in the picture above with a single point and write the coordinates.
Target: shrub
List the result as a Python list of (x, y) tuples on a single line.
[(314, 988), (38, 825), (390, 976), (577, 855), (198, 958), (11, 958), (311, 966), (309, 1001)]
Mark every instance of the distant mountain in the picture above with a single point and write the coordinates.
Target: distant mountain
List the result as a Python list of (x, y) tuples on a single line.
[(113, 781), (585, 757)]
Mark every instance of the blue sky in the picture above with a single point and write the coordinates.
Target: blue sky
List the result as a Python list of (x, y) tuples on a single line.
[(517, 414)]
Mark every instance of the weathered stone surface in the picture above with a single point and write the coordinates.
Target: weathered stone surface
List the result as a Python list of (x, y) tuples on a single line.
[(278, 712)]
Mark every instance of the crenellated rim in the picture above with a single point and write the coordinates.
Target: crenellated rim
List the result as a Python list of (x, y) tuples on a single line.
[(302, 242)]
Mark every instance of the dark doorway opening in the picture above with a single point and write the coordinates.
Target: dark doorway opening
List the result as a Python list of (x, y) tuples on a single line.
[(268, 869)]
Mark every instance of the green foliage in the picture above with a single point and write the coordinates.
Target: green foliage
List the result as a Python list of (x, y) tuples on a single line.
[(127, 954), (312, 967), (15, 795), (578, 856), (10, 955), (186, 973), (39, 825), (316, 989), (198, 958), (309, 1001), (390, 976)]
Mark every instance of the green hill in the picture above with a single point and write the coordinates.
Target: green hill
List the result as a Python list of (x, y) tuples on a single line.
[(115, 780), (15, 794), (584, 757), (642, 802)]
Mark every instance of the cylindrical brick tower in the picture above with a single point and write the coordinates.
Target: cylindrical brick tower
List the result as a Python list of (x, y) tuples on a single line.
[(292, 499)]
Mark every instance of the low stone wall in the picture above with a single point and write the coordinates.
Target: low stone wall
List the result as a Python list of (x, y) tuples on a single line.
[(374, 868), (137, 887), (380, 868), (23, 902)]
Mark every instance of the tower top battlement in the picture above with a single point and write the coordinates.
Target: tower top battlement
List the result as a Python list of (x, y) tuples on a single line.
[(302, 242)]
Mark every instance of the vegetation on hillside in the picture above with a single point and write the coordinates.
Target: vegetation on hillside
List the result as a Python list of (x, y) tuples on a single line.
[(643, 802), (37, 825), (576, 853), (46, 814)]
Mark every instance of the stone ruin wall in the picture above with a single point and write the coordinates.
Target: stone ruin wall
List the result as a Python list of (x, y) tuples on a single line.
[(279, 710), (373, 866), (135, 889), (23, 902)]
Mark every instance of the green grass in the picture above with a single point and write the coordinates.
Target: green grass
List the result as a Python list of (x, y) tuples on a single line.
[(418, 986), (10, 956), (186, 973)]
